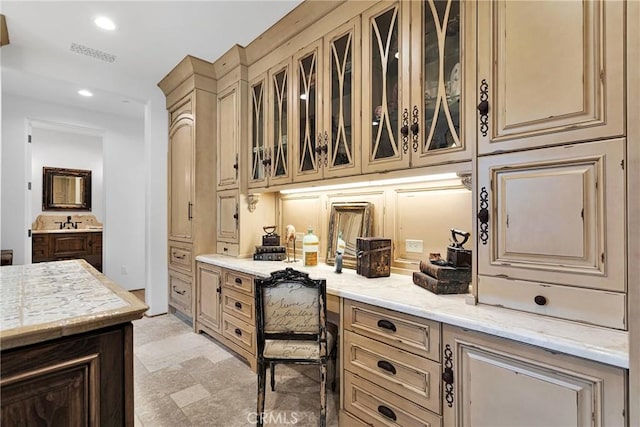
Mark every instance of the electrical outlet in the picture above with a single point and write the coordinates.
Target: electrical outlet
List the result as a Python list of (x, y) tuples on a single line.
[(123, 270), (414, 246)]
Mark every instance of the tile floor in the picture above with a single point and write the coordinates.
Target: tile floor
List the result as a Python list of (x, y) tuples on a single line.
[(187, 379)]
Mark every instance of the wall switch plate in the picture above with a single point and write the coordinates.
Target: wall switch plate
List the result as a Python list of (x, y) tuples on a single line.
[(414, 246), (123, 270)]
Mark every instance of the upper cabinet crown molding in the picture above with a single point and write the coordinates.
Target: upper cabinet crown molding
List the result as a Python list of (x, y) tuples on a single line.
[(299, 19), (190, 73), (233, 59)]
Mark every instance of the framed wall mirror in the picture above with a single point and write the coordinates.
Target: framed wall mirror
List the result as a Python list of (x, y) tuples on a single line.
[(353, 220), (66, 189)]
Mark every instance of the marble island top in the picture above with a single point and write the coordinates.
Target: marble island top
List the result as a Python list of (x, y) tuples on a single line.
[(69, 230), (43, 301), (398, 292)]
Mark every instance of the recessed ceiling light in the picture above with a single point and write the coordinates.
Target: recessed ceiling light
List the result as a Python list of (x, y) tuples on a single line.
[(85, 92), (105, 23)]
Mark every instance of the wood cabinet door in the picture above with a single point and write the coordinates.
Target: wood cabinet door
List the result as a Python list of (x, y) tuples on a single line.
[(279, 149), (340, 132), (228, 137), (442, 48), (385, 71), (555, 215), (228, 216), (550, 72), (309, 146), (257, 132), (209, 296), (495, 382), (180, 186)]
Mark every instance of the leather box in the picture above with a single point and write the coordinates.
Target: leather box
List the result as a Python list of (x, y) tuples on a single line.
[(373, 256)]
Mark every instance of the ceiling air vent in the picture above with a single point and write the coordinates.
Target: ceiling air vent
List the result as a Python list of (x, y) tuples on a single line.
[(94, 53)]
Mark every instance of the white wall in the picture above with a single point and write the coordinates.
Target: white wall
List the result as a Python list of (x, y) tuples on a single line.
[(63, 148), (125, 188)]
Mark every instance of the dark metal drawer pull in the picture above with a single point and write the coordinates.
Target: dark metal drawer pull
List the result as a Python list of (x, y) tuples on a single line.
[(385, 324), (179, 256), (238, 332), (238, 305), (238, 281), (387, 412), (383, 364), (178, 292), (540, 300)]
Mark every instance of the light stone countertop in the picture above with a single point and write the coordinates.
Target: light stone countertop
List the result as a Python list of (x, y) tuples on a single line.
[(44, 301), (398, 292)]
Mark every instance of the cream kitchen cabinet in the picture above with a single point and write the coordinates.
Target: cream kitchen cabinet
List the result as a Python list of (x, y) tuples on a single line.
[(240, 221), (549, 73), (231, 132), (208, 315), (190, 96), (226, 309), (417, 65), (551, 234), (490, 381), (270, 106), (326, 105)]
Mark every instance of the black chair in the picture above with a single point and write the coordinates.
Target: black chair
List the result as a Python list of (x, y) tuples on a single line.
[(291, 328)]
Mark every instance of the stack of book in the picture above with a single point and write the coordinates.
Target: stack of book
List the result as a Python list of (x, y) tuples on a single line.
[(442, 279), (270, 253)]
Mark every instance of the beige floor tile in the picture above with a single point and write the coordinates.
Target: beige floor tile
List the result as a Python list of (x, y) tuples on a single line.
[(190, 395)]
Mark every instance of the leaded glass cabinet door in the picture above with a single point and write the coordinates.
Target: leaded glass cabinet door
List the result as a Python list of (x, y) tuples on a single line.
[(342, 78), (257, 137), (438, 87), (384, 67), (310, 148), (278, 167)]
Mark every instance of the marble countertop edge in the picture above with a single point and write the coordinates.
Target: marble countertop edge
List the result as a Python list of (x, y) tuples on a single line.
[(399, 293)]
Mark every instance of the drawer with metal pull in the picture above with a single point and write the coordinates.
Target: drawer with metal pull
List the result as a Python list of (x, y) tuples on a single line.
[(239, 305), (180, 256), (180, 291), (410, 333), (414, 377), (240, 333), (238, 281), (377, 406)]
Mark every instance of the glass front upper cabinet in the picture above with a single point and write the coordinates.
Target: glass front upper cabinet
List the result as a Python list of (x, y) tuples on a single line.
[(257, 158), (436, 111)]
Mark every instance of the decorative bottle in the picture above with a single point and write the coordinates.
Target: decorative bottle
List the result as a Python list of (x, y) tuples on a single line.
[(310, 249)]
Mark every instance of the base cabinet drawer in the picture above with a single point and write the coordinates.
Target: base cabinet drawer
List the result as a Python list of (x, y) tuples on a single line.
[(415, 378), (238, 282), (180, 256), (240, 333), (378, 406), (180, 292), (419, 336), (239, 305)]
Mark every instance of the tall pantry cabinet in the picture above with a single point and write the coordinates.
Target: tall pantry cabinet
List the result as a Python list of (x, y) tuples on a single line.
[(190, 92)]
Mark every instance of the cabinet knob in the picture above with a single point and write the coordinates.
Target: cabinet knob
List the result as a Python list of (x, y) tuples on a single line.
[(483, 108), (540, 300)]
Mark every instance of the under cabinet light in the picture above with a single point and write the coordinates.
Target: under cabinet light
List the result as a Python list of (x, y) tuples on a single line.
[(85, 92), (391, 181)]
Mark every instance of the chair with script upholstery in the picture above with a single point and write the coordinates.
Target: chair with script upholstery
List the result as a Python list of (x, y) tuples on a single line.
[(291, 328)]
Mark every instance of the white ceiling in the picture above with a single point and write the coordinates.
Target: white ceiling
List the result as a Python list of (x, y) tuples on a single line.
[(150, 39)]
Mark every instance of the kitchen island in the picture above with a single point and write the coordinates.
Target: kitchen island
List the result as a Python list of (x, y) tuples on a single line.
[(66, 343)]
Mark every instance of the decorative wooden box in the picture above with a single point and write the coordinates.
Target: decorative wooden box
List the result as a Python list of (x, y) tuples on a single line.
[(373, 256)]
